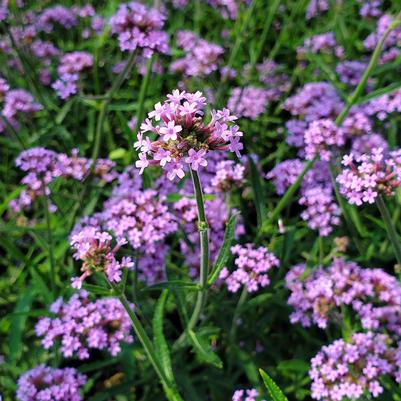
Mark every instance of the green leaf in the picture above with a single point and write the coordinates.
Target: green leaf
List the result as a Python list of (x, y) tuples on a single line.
[(203, 349), (257, 192), (159, 339), (97, 289), (380, 92), (224, 252), (118, 153), (64, 111), (18, 325), (273, 389), (173, 285)]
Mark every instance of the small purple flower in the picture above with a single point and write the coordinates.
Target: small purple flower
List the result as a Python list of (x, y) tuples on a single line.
[(195, 158)]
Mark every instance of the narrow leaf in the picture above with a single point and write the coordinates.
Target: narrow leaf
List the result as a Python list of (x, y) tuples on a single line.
[(203, 349), (273, 389), (224, 252), (160, 342), (257, 192)]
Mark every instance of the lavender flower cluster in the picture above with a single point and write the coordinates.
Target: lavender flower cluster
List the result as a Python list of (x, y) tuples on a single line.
[(139, 27), (245, 395), (81, 326), (353, 369), (201, 57), (137, 217), (319, 296), (249, 102), (183, 138), (43, 166), (367, 176), (43, 383), (252, 267)]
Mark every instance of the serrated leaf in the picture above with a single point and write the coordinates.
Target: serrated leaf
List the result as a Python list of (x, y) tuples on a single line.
[(272, 388), (203, 349), (224, 252), (160, 342)]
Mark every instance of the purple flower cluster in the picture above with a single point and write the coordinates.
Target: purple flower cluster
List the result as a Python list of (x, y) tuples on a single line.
[(313, 101), (71, 64), (284, 174), (245, 395), (227, 8), (94, 249), (201, 57), (321, 137), (276, 82), (81, 325), (316, 7), (44, 165), (252, 267), (323, 43), (319, 296), (384, 105), (19, 101), (370, 8), (321, 212), (369, 175), (351, 71), (229, 175), (139, 27), (183, 139), (352, 369), (249, 102), (62, 16), (43, 383), (141, 218)]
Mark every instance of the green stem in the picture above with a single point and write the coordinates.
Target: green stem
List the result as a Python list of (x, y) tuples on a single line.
[(142, 94), (241, 301), (391, 231), (204, 257), (50, 244), (368, 72), (169, 388), (288, 195)]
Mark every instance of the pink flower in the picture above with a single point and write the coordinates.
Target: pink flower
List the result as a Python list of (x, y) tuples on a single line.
[(170, 132), (142, 162), (235, 145), (195, 158)]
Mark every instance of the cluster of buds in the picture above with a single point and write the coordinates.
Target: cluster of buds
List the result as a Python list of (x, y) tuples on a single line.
[(94, 248), (183, 139)]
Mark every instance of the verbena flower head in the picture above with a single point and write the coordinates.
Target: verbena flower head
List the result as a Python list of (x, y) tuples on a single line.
[(74, 62), (229, 175), (202, 57), (56, 15), (371, 295), (80, 326), (252, 265), (351, 71), (4, 87), (352, 369), (321, 137), (369, 175), (140, 27), (284, 174), (43, 383), (316, 7), (322, 43), (248, 102), (94, 248), (19, 101), (183, 138), (66, 85), (313, 101), (321, 212)]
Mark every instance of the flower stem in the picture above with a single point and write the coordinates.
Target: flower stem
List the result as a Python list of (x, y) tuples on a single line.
[(141, 99), (391, 231), (50, 244), (169, 388), (368, 72), (204, 257)]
